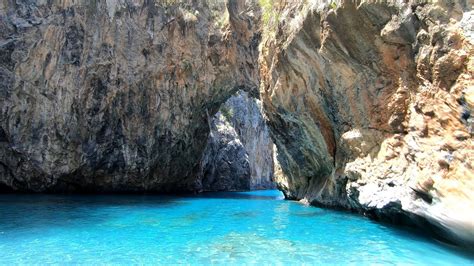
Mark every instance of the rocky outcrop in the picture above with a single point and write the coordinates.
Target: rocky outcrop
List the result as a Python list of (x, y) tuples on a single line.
[(225, 164), (370, 108), (239, 153), (114, 95), (246, 116)]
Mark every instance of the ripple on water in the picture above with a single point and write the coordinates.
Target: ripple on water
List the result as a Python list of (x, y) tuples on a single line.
[(308, 213), (246, 214), (219, 228)]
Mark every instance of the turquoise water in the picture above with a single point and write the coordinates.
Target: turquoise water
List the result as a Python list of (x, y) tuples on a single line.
[(219, 228)]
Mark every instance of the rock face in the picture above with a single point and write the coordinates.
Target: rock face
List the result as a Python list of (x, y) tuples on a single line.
[(114, 95), (239, 153), (370, 106), (225, 165)]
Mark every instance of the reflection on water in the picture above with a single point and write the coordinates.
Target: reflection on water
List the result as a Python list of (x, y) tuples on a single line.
[(280, 216), (221, 228)]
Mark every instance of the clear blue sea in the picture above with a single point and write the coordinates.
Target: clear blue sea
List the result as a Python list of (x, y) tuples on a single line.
[(216, 228)]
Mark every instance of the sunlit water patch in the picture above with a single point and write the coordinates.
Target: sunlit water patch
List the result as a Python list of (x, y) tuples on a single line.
[(220, 228)]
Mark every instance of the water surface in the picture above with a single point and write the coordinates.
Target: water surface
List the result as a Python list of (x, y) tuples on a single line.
[(219, 228)]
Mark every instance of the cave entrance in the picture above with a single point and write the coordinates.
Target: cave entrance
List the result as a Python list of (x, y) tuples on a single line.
[(239, 151)]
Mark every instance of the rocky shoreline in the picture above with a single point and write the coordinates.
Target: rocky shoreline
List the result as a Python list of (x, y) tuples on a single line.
[(369, 105)]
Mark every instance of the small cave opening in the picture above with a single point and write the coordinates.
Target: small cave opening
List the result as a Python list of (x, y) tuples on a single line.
[(239, 151)]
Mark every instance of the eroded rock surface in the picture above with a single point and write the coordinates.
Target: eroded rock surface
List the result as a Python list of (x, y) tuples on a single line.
[(225, 164), (114, 95), (370, 108), (239, 153)]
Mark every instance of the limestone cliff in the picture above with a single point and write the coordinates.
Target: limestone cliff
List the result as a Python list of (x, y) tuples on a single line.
[(239, 153), (225, 165), (115, 95), (247, 119), (370, 108)]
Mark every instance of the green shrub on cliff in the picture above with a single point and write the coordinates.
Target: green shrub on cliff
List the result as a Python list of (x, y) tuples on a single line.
[(269, 18), (227, 112)]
